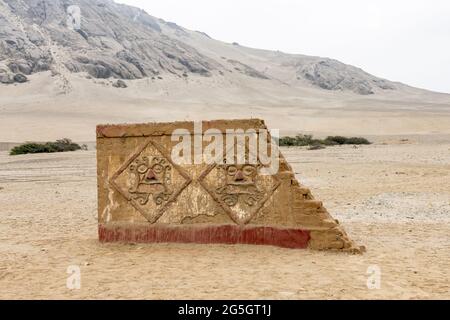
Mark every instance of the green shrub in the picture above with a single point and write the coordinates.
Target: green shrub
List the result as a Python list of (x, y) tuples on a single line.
[(287, 142), (298, 141), (308, 140), (63, 145), (338, 140)]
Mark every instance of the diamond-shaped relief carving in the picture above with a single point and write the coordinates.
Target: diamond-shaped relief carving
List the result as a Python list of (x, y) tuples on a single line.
[(150, 181), (240, 189)]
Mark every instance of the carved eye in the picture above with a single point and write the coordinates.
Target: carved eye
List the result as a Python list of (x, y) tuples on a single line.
[(142, 169), (157, 168), (249, 170), (232, 170)]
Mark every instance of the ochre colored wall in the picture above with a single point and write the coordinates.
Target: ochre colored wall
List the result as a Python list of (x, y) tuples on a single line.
[(196, 203)]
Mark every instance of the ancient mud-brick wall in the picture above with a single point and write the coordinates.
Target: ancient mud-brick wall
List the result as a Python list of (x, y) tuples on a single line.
[(144, 196)]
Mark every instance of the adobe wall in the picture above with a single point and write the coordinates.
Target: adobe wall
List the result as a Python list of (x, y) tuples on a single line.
[(144, 196)]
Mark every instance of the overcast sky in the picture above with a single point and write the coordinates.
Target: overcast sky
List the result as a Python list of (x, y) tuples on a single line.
[(401, 40)]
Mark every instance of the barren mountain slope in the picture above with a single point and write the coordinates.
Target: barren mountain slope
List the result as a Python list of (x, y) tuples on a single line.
[(58, 79), (114, 40)]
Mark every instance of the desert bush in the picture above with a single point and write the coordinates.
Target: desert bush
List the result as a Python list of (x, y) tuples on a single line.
[(339, 140), (288, 142), (298, 141), (63, 145), (308, 140)]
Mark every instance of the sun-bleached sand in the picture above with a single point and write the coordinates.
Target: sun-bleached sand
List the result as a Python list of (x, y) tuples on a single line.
[(393, 197)]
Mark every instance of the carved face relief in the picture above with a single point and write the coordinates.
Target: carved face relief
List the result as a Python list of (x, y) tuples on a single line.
[(150, 177), (150, 181), (239, 189), (240, 185), (241, 175)]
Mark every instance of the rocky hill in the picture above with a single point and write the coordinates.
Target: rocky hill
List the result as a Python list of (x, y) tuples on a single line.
[(111, 40)]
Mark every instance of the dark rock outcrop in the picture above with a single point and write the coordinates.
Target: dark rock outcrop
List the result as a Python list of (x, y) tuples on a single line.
[(120, 84), (333, 75), (117, 41), (114, 40), (247, 70), (20, 78)]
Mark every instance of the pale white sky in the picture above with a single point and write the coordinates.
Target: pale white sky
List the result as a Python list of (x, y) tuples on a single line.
[(401, 40)]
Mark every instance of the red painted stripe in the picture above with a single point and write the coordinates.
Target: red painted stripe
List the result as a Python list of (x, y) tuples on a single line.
[(206, 234)]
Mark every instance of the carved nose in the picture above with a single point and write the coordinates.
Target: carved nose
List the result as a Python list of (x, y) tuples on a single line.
[(151, 175), (239, 176)]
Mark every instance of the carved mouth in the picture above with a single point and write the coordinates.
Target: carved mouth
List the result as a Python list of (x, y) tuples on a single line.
[(247, 188), (152, 181), (241, 183)]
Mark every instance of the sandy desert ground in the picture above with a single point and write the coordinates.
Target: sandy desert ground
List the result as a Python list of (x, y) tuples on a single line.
[(393, 197), (49, 108)]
